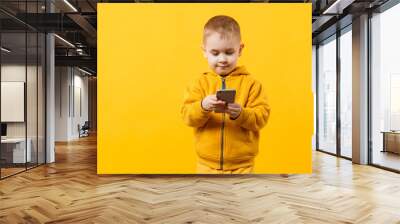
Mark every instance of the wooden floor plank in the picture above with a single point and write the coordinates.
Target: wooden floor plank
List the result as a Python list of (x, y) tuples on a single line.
[(70, 191)]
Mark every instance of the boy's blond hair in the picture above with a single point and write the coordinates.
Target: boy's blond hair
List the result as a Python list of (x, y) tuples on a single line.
[(226, 26)]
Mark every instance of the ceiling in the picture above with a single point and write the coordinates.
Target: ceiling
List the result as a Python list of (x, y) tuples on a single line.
[(76, 22)]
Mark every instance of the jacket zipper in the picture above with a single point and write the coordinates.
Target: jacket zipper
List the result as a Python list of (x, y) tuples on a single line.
[(221, 162)]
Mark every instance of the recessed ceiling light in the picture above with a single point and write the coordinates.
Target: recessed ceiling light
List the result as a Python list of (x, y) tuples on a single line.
[(71, 6), (5, 50), (64, 40), (84, 71), (337, 7)]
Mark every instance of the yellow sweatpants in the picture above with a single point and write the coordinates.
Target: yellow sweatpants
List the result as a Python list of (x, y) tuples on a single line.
[(203, 169)]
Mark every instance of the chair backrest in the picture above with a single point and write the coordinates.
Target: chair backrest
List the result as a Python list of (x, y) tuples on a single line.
[(86, 125)]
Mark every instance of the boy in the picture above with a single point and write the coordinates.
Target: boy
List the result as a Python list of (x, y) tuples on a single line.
[(225, 142)]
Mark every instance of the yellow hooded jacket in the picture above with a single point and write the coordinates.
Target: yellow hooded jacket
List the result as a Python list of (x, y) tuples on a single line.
[(220, 142)]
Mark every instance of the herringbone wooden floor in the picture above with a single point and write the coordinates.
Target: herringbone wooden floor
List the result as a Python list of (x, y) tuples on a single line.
[(69, 191)]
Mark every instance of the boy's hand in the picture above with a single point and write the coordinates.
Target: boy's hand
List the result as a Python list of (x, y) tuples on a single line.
[(210, 103), (234, 110)]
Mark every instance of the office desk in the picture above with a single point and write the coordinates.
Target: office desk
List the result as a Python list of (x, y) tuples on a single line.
[(13, 150), (391, 141)]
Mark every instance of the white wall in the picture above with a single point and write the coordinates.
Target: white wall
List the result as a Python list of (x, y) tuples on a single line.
[(71, 87), (12, 73), (79, 117), (314, 91), (62, 81), (12, 101), (33, 127)]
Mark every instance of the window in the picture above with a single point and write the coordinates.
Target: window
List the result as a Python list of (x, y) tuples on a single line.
[(385, 88), (327, 95), (346, 93)]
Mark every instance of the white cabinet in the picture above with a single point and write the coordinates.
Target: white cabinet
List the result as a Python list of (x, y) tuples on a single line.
[(17, 148)]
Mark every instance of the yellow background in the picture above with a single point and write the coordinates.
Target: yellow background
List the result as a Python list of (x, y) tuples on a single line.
[(148, 53)]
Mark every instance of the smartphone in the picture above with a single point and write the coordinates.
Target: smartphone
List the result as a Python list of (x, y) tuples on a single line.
[(227, 95)]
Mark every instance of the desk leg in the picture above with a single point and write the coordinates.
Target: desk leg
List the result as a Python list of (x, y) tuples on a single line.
[(384, 142)]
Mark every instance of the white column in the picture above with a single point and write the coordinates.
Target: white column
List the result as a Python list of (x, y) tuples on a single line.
[(50, 93), (360, 89)]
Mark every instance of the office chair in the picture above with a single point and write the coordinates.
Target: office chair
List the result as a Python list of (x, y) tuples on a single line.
[(84, 130)]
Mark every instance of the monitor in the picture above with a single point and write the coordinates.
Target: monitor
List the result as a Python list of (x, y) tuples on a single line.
[(3, 129)]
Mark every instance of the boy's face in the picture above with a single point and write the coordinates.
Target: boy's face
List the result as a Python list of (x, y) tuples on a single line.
[(222, 53)]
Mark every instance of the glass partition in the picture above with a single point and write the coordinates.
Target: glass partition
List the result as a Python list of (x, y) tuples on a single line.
[(385, 89), (327, 95), (14, 153), (22, 88)]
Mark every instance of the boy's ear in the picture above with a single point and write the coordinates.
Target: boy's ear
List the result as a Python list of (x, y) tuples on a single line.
[(240, 49)]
